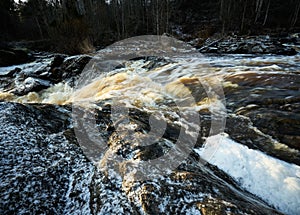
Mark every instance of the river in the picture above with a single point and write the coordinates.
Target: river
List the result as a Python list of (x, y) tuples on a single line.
[(246, 109)]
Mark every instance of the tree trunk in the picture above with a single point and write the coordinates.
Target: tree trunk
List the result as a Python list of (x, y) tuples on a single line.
[(157, 17), (39, 27), (258, 7), (267, 13), (295, 15), (243, 18)]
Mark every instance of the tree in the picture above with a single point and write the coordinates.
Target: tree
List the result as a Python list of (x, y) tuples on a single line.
[(8, 19), (295, 15)]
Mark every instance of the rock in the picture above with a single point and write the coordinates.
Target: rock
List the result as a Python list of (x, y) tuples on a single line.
[(74, 66), (242, 130), (251, 45), (282, 125), (212, 50), (67, 69), (44, 170), (10, 73), (57, 61), (45, 72), (286, 51), (30, 85), (52, 71), (257, 49), (270, 104), (7, 79), (13, 57), (155, 62)]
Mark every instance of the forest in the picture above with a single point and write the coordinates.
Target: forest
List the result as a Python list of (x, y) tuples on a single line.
[(86, 24), (200, 117)]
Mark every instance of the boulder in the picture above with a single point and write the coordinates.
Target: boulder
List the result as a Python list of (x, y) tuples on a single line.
[(10, 57), (30, 85), (66, 69)]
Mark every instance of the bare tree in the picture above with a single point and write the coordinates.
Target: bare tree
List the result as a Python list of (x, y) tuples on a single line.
[(267, 13), (258, 8), (295, 14)]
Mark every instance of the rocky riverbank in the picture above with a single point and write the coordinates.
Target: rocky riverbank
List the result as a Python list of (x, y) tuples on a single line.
[(18, 52), (284, 45), (46, 71), (44, 168)]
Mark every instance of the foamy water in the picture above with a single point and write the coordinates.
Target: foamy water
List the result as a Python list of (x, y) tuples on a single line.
[(275, 181), (57, 94), (143, 87)]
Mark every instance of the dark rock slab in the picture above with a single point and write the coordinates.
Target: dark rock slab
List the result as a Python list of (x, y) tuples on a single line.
[(271, 103), (10, 57), (257, 135)]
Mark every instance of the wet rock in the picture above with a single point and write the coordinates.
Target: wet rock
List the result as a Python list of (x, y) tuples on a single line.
[(153, 62), (38, 167), (52, 71), (46, 71), (244, 131), (212, 50), (30, 85), (10, 73), (26, 78), (186, 191), (43, 170), (166, 194), (257, 49), (251, 45), (63, 69), (7, 79), (57, 61), (270, 104), (73, 67), (282, 125)]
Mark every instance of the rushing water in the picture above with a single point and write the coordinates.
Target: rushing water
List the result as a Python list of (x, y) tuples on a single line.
[(260, 89), (139, 83)]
